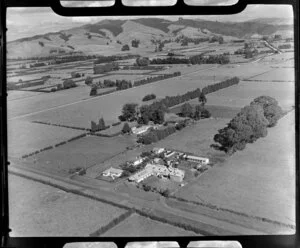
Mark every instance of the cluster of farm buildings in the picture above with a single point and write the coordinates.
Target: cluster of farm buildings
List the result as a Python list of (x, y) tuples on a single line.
[(156, 167)]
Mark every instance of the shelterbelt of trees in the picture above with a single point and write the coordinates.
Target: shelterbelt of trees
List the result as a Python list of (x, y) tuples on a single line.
[(248, 125), (195, 59)]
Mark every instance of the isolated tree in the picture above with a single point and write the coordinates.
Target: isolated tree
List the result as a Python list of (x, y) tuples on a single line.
[(221, 40), (202, 98), (101, 124), (94, 126), (93, 91), (129, 111), (187, 110), (88, 80), (126, 128), (142, 61), (125, 48)]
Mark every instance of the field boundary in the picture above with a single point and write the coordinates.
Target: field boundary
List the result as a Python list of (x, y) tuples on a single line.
[(59, 125), (215, 207), (112, 224), (54, 146)]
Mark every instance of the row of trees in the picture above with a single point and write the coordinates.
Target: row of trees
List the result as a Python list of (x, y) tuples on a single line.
[(248, 125), (221, 85), (149, 97), (156, 78), (107, 59), (196, 59)]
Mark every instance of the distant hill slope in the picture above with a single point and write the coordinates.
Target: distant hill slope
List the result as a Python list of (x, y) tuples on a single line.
[(106, 35)]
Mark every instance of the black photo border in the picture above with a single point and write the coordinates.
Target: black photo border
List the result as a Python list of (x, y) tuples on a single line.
[(180, 8)]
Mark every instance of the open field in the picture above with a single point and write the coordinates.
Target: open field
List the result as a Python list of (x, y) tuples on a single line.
[(281, 74), (137, 225), (48, 211), (26, 137), (242, 94), (83, 152), (45, 101), (19, 94), (258, 181), (196, 138)]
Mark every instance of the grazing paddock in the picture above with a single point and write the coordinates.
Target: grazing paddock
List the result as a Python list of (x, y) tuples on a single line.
[(278, 75), (133, 72), (43, 101), (259, 180), (84, 152), (139, 226), (26, 137), (48, 211), (20, 94), (196, 138), (242, 94), (109, 106)]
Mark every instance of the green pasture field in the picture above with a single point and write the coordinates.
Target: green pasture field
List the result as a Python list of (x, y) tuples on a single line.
[(240, 95), (26, 137), (81, 114), (83, 152), (259, 180), (48, 211), (138, 226)]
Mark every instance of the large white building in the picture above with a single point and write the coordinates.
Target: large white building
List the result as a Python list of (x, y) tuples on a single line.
[(140, 130), (158, 150), (196, 159), (158, 170)]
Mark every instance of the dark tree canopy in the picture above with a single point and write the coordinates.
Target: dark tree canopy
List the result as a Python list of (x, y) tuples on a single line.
[(272, 111), (129, 112), (126, 128), (247, 126)]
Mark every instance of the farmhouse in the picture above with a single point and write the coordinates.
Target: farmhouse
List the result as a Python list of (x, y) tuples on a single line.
[(169, 154), (196, 159), (140, 130), (158, 150), (160, 171), (141, 175), (138, 161), (112, 172)]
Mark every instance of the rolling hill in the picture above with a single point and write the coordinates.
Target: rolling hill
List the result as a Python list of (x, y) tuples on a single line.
[(109, 35)]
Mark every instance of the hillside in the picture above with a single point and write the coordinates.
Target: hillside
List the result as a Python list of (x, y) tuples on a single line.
[(109, 35)]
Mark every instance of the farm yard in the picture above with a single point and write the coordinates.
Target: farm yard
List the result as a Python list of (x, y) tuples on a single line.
[(34, 218), (26, 137), (265, 170)]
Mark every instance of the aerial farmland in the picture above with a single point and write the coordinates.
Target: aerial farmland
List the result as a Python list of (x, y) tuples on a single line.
[(159, 127)]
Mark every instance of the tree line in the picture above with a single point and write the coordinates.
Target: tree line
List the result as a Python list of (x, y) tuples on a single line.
[(248, 125), (195, 59), (221, 85)]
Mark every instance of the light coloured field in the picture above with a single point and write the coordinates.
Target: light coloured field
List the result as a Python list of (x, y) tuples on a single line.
[(18, 94), (109, 106), (83, 152), (138, 226), (44, 101), (242, 94), (37, 209), (195, 139), (26, 137), (281, 74), (130, 72), (115, 77), (259, 180)]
